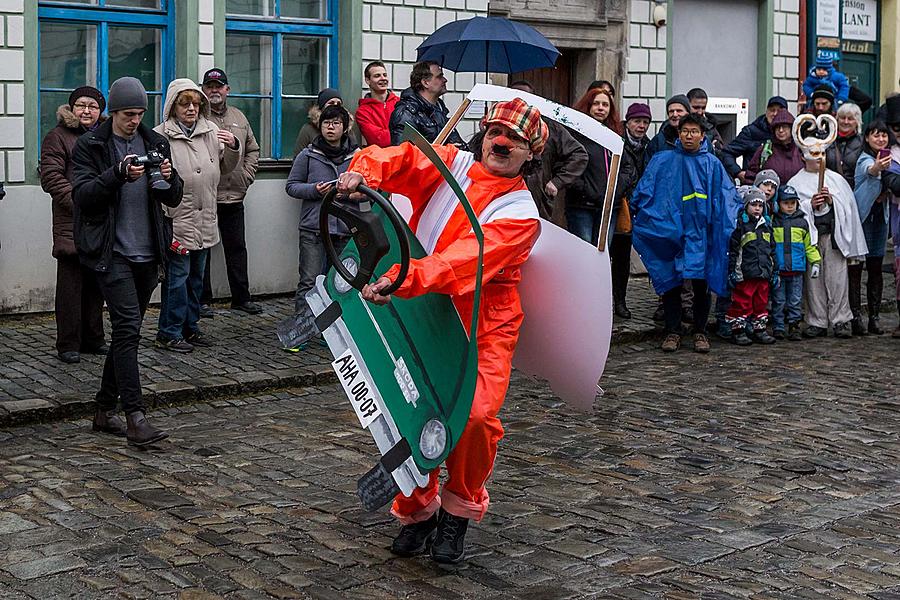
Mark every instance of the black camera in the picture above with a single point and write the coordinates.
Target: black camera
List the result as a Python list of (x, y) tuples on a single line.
[(151, 162)]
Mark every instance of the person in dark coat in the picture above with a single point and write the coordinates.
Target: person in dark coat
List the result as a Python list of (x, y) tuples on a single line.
[(699, 99), (779, 153), (123, 235), (751, 138), (421, 106), (849, 143), (751, 269), (631, 169), (676, 107), (79, 303), (563, 160)]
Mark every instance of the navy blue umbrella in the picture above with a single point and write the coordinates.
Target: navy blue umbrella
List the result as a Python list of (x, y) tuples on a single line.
[(488, 44)]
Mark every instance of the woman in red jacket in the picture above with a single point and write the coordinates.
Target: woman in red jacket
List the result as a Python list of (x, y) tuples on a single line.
[(491, 176)]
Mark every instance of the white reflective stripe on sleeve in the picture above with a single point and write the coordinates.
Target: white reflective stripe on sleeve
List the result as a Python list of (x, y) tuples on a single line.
[(515, 205), (441, 206)]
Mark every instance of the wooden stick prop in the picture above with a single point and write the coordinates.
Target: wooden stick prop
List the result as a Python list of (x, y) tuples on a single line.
[(608, 202), (812, 145), (455, 118)]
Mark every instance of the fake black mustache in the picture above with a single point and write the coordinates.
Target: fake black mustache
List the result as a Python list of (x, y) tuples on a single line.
[(501, 150)]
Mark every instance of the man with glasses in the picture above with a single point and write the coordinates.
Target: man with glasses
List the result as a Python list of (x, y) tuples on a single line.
[(421, 106), (122, 234), (684, 210), (230, 195), (79, 303)]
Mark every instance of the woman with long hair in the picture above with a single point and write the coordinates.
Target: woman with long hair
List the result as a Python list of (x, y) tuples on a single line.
[(876, 185), (584, 200)]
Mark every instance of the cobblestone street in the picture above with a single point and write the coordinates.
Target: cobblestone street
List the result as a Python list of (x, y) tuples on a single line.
[(762, 472)]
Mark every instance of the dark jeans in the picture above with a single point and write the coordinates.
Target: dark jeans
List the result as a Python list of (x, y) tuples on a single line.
[(874, 286), (79, 307), (585, 223), (126, 287), (234, 244), (672, 307), (179, 313), (620, 259), (313, 263)]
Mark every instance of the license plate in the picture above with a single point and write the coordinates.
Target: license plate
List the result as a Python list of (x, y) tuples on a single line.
[(360, 390)]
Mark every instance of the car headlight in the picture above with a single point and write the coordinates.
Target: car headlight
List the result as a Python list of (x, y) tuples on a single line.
[(433, 439)]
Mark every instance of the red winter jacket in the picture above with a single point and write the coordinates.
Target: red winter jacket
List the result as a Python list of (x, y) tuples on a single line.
[(373, 117)]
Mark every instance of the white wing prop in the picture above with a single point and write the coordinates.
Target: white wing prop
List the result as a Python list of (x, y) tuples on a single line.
[(566, 285)]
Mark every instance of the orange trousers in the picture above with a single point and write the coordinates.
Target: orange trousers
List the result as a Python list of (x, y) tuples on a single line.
[(472, 459)]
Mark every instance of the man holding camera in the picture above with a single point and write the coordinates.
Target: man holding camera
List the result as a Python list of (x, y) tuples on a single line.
[(121, 233)]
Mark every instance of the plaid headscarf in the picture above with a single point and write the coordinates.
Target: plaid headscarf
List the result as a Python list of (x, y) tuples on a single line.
[(525, 120)]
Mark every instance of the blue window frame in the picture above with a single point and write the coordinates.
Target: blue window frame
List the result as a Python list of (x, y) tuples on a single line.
[(277, 62), (96, 44)]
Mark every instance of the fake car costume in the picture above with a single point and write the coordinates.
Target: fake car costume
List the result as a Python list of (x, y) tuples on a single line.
[(509, 221)]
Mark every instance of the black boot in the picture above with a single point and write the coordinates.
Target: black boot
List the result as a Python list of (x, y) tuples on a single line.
[(874, 289), (106, 421), (449, 545), (856, 325), (140, 432), (621, 309), (415, 539)]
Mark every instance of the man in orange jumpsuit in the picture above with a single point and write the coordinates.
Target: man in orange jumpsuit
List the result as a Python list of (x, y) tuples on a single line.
[(492, 177)]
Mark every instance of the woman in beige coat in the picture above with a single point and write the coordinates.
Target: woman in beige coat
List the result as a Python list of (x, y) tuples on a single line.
[(201, 152)]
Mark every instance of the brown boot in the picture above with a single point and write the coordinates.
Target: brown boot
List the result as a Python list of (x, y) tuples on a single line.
[(106, 421), (140, 432)]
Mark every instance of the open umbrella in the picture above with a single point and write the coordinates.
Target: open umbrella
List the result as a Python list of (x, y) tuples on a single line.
[(488, 44)]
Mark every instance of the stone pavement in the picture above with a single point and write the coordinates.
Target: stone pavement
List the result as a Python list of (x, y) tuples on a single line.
[(36, 386), (768, 472)]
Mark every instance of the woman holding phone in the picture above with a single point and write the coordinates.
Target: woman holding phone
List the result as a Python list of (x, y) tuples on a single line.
[(877, 181)]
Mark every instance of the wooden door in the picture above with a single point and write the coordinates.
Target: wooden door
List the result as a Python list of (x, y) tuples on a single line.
[(553, 83)]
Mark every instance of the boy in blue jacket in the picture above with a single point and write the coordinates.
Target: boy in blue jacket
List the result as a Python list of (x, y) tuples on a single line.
[(824, 73), (751, 270), (793, 251)]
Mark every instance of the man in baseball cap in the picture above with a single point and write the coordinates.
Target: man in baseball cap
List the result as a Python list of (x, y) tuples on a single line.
[(217, 75)]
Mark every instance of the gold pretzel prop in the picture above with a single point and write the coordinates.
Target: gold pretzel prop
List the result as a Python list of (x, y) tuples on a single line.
[(812, 145)]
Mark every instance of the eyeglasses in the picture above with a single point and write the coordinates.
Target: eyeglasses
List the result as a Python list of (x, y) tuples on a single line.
[(332, 124), (186, 103), (90, 107)]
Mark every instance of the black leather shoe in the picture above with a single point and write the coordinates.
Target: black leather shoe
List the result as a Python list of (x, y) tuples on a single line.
[(874, 328), (199, 339), (106, 421), (140, 432), (248, 307), (856, 326), (449, 545), (70, 357), (416, 538), (206, 311), (622, 310), (842, 330), (101, 350)]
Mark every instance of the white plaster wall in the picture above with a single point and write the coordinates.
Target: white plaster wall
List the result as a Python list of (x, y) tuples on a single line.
[(393, 29), (645, 68), (28, 272)]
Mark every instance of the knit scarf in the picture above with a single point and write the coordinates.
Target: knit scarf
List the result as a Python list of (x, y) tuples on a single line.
[(335, 154)]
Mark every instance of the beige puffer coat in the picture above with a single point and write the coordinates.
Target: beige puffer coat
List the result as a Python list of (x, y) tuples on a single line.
[(200, 161)]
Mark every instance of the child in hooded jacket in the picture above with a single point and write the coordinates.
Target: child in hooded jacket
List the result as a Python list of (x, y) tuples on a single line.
[(794, 250), (751, 268), (824, 73)]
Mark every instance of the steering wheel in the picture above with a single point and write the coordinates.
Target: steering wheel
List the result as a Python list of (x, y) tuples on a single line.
[(368, 232)]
